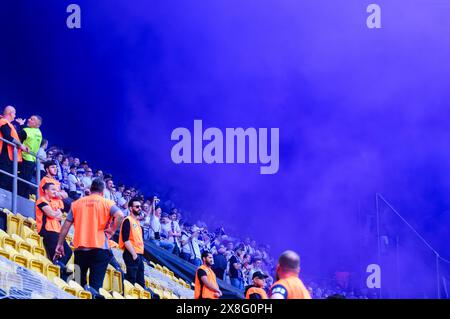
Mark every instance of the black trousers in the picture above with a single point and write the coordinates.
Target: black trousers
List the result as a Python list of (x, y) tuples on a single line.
[(27, 170), (135, 268), (7, 165), (94, 260), (50, 240)]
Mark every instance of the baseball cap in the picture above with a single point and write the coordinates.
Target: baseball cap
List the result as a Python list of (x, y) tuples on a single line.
[(260, 275)]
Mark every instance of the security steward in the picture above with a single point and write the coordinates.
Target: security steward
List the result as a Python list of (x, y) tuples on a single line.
[(256, 291), (132, 243), (50, 177), (9, 133), (30, 136), (48, 222), (205, 279), (95, 219), (288, 284)]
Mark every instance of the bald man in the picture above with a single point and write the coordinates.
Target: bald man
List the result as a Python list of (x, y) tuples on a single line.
[(9, 133), (288, 285), (31, 137)]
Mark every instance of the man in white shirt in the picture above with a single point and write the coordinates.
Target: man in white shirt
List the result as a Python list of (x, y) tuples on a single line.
[(74, 184), (109, 192), (155, 230), (87, 178)]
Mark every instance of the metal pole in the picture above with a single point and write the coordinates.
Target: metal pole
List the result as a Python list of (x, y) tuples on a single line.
[(38, 176), (378, 237), (438, 277), (14, 192)]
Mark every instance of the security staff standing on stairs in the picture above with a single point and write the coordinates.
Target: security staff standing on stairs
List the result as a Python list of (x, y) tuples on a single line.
[(205, 279), (9, 133), (132, 243), (48, 221), (94, 219), (31, 137), (288, 285)]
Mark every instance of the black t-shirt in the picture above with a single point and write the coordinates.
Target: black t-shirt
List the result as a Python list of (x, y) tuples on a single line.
[(234, 273), (125, 230)]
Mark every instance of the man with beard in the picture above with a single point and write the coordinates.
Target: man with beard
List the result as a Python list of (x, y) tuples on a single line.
[(132, 243), (205, 279)]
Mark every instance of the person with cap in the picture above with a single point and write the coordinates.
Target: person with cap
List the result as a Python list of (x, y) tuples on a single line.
[(132, 243), (9, 133), (50, 177), (48, 222), (256, 290), (205, 279), (288, 284), (31, 137), (95, 220)]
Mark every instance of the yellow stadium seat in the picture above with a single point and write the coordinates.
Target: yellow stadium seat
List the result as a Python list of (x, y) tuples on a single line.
[(39, 251), (14, 224), (21, 244), (117, 282), (34, 263), (116, 295), (26, 232), (81, 293), (50, 270), (33, 223), (35, 238), (64, 286), (143, 294), (105, 294), (130, 290), (107, 282), (9, 242), (4, 253)]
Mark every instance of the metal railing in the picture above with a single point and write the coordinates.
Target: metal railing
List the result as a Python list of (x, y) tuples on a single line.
[(438, 257), (15, 177)]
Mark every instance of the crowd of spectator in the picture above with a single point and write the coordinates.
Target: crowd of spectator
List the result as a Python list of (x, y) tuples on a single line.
[(235, 260)]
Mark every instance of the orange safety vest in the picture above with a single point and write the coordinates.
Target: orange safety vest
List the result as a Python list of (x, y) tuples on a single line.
[(201, 291), (55, 203), (49, 223), (256, 290), (14, 135), (294, 287), (135, 238), (91, 216)]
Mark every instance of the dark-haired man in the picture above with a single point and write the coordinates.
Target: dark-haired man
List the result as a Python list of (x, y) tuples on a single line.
[(288, 285), (205, 279), (48, 220), (50, 177), (256, 290), (95, 219), (132, 243)]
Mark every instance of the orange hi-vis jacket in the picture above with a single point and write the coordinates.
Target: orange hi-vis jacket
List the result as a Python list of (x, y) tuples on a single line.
[(49, 223), (201, 291), (293, 288), (256, 290), (91, 217), (55, 203), (136, 238), (13, 135)]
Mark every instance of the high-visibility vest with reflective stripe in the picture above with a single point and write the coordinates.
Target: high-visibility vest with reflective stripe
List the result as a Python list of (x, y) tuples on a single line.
[(91, 216), (256, 290), (201, 291), (56, 203), (33, 141), (15, 136), (294, 287), (49, 223), (135, 238)]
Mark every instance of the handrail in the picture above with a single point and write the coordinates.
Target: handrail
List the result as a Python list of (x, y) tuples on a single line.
[(15, 176), (425, 242)]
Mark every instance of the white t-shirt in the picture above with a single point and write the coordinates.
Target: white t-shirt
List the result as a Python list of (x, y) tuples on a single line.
[(72, 182)]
